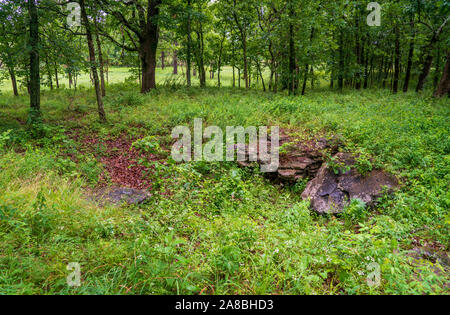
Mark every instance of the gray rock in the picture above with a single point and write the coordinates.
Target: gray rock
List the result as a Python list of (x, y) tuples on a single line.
[(330, 192), (120, 195)]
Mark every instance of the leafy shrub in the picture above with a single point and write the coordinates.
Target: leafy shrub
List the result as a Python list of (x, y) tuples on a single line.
[(91, 169), (227, 261), (42, 217), (4, 139), (355, 212), (297, 217), (47, 135), (128, 99), (364, 163), (338, 166), (148, 144)]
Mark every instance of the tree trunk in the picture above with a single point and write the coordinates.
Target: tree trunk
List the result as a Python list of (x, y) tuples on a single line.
[(243, 32), (202, 70), (358, 53), (100, 60), (397, 60), (107, 70), (12, 74), (437, 70), (244, 44), (175, 62), (386, 72), (98, 93), (49, 73), (28, 85), (139, 73), (381, 68), (189, 46), (219, 62), (35, 84), (261, 75), (148, 45), (70, 79), (292, 52), (428, 61), (271, 79), (305, 78), (239, 78), (233, 55), (163, 62), (409, 65), (424, 73), (341, 61), (56, 76), (371, 71), (147, 55), (200, 56), (275, 85), (366, 69), (444, 85)]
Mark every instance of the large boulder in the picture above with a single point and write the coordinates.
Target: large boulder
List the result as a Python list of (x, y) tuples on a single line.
[(331, 191)]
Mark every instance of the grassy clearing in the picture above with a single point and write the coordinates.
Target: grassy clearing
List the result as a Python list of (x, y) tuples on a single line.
[(214, 228), (164, 77)]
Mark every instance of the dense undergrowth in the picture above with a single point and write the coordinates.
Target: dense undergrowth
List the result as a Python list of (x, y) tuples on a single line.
[(213, 228)]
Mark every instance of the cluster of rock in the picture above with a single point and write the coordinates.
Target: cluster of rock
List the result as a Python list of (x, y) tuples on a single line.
[(303, 159), (329, 191)]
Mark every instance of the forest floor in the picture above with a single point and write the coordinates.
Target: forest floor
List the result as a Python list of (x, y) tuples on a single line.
[(215, 228)]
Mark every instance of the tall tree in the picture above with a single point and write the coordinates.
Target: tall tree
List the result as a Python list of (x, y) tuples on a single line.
[(410, 56), (35, 83), (141, 24), (189, 44), (93, 63), (444, 85), (435, 19)]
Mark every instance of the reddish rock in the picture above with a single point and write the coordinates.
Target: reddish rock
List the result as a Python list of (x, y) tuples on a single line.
[(330, 192)]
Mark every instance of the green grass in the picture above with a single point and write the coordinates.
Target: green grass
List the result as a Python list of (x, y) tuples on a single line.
[(215, 228), (163, 76)]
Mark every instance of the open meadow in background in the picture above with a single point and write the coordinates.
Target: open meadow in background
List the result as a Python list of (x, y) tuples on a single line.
[(164, 77)]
